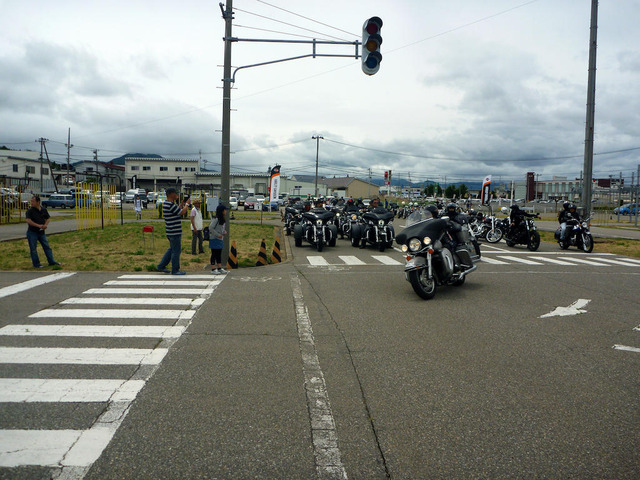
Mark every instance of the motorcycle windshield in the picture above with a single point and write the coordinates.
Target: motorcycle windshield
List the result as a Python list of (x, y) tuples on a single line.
[(418, 216), (431, 227)]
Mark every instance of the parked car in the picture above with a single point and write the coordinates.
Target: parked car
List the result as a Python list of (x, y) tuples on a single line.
[(233, 203), (241, 200), (250, 203), (59, 201), (131, 195), (627, 209)]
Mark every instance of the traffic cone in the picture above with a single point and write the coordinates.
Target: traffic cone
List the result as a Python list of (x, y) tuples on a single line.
[(262, 256), (275, 254), (232, 262)]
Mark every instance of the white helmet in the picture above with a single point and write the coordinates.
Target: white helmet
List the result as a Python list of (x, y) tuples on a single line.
[(505, 210)]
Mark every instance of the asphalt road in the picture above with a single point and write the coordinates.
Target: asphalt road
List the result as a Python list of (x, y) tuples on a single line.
[(329, 366)]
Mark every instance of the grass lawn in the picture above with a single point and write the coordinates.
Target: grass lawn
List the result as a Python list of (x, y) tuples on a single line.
[(121, 248), (618, 246)]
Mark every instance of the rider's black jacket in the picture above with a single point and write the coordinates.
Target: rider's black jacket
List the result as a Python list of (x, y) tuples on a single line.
[(565, 216), (517, 215)]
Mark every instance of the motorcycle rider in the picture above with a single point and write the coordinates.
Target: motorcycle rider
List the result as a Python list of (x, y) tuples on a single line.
[(517, 217), (433, 210), (565, 215)]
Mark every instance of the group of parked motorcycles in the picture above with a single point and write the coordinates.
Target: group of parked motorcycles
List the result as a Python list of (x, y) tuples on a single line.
[(439, 250), (321, 226)]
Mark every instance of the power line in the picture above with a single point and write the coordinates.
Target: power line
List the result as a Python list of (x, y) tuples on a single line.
[(288, 24), (307, 18), (276, 31)]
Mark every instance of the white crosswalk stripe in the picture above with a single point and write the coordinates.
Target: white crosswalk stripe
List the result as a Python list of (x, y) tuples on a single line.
[(551, 260), (519, 260), (493, 261), (584, 261), (618, 262), (351, 260), (317, 260), (386, 260), (156, 300)]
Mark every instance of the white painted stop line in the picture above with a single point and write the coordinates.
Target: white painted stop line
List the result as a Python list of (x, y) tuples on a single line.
[(24, 390), (82, 356), (113, 313), (110, 331)]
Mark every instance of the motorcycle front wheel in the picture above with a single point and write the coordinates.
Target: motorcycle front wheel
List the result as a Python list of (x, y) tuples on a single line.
[(422, 285), (587, 243), (534, 241), (494, 236)]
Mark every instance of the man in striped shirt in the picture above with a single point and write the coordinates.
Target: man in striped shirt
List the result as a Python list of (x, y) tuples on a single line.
[(172, 213)]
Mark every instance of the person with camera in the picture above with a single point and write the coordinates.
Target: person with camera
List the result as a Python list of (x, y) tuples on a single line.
[(172, 214)]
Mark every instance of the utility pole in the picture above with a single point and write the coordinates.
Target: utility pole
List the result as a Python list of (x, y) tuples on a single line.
[(637, 195), (68, 155), (225, 170), (317, 139), (591, 107), (369, 193)]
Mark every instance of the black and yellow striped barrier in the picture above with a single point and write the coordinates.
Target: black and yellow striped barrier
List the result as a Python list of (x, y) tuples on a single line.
[(262, 256), (232, 262), (275, 254)]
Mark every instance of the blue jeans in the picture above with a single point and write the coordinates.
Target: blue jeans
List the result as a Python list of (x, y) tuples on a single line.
[(33, 238), (172, 254)]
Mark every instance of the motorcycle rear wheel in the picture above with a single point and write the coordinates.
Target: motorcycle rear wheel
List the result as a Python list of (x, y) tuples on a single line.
[(587, 243), (534, 241), (495, 236), (422, 285)]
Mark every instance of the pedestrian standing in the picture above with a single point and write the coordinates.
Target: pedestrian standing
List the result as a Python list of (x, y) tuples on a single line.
[(172, 213), (38, 221), (137, 205), (196, 227), (217, 231)]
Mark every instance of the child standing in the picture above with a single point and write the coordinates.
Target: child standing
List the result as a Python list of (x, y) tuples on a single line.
[(217, 231)]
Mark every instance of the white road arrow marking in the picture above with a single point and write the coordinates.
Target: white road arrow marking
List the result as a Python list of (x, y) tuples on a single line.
[(573, 309)]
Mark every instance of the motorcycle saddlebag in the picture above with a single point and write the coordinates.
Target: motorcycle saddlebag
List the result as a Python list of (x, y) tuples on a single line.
[(464, 256)]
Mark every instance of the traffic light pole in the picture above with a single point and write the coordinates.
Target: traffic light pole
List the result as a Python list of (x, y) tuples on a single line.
[(591, 106)]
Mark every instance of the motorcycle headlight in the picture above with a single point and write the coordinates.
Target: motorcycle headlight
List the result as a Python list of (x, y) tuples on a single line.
[(414, 244), (381, 223), (319, 222), (426, 241), (404, 248), (354, 217)]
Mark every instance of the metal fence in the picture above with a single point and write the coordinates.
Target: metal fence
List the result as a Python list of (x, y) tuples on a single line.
[(96, 206), (14, 200)]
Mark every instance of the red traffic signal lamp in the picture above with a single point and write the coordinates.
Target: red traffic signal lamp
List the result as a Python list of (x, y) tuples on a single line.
[(371, 41)]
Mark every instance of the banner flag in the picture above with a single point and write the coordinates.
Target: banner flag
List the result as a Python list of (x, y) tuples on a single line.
[(486, 190), (275, 184)]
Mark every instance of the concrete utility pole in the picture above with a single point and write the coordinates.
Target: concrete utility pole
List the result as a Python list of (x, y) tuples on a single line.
[(317, 139), (68, 156), (225, 170), (591, 107)]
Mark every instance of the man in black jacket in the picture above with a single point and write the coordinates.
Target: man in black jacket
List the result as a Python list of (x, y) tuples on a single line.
[(38, 221)]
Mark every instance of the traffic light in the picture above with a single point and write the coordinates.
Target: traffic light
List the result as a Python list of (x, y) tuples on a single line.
[(389, 177), (371, 41), (386, 177)]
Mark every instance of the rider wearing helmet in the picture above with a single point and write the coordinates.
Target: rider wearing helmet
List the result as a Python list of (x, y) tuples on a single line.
[(433, 210), (517, 216), (451, 211), (562, 219)]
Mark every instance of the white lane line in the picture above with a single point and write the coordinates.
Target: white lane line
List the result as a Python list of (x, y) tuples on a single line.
[(115, 331), (24, 390), (493, 261), (323, 427), (317, 260), (82, 356), (386, 260), (115, 313), (351, 260), (35, 447), (149, 291), (164, 276), (161, 283), (21, 287), (519, 260), (628, 349), (586, 262), (552, 260), (618, 262), (127, 301)]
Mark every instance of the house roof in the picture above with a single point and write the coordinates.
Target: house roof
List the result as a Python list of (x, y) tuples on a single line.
[(343, 182)]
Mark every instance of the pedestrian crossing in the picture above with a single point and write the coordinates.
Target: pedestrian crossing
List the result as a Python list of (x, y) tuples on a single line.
[(78, 326), (492, 258)]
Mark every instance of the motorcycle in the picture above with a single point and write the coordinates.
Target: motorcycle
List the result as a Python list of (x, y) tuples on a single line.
[(577, 235), (434, 257), (375, 228), (292, 216), (526, 234), (317, 228)]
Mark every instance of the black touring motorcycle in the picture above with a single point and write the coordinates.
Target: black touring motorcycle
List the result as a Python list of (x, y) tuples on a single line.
[(438, 252), (317, 228)]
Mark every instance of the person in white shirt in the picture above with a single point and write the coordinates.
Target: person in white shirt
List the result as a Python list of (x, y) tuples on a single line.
[(137, 205), (196, 227)]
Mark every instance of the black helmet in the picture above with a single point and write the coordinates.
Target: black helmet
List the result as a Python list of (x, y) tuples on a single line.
[(572, 208), (452, 208), (566, 204), (432, 209)]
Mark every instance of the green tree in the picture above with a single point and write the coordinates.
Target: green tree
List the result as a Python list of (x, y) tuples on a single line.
[(430, 190), (438, 190), (450, 191), (463, 190)]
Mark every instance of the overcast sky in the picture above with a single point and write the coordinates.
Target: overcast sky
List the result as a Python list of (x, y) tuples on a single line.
[(465, 89)]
